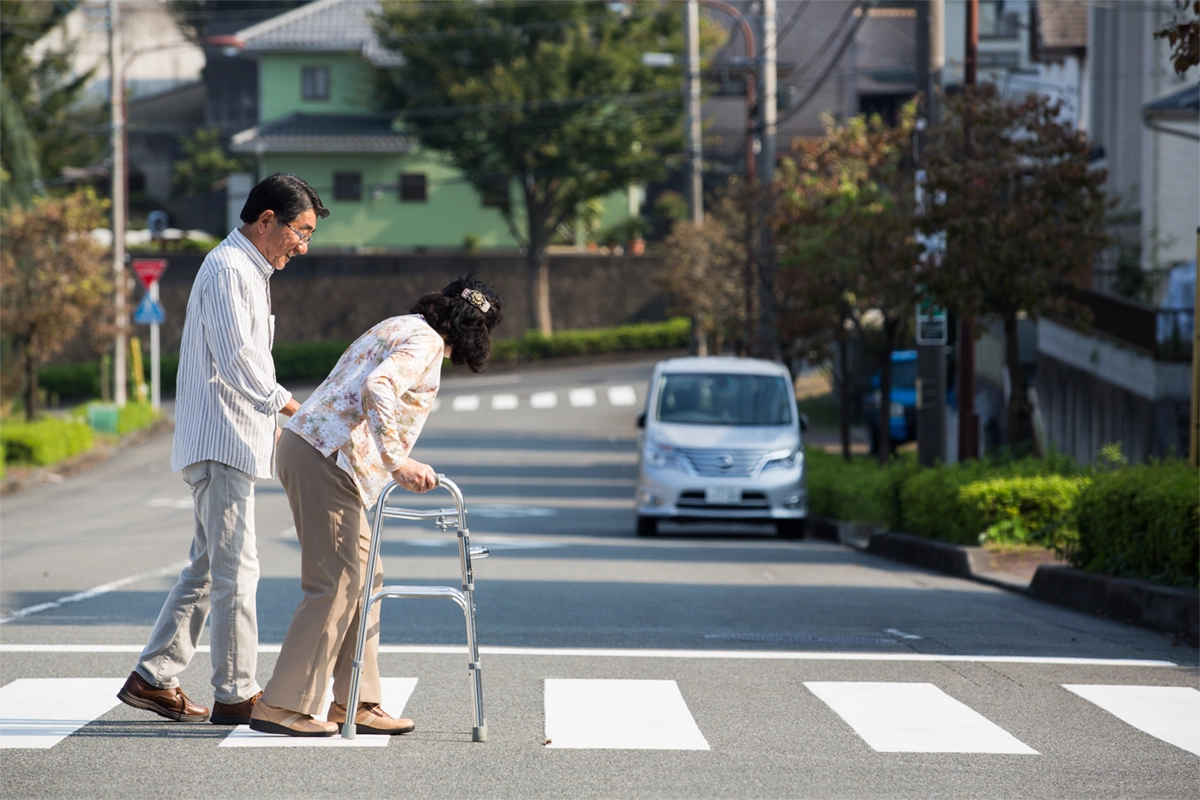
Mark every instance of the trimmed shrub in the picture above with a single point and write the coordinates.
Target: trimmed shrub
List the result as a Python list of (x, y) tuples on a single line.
[(71, 380), (46, 441), (1033, 510), (307, 361), (855, 491), (531, 346), (1142, 522), (135, 416)]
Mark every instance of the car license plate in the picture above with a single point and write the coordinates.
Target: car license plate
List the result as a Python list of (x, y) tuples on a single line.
[(723, 496)]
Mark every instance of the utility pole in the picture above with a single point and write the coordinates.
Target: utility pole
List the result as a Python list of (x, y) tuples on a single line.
[(695, 174), (117, 105), (931, 338), (1194, 435), (768, 328), (968, 421)]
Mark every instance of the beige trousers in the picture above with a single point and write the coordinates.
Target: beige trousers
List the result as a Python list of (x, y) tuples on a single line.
[(335, 541)]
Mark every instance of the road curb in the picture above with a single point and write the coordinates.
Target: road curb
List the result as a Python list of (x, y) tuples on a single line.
[(1162, 608)]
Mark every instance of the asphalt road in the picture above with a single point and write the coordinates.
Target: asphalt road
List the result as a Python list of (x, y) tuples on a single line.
[(698, 664)]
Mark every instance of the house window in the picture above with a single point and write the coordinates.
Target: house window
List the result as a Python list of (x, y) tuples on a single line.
[(347, 186), (413, 187), (314, 83), (495, 194)]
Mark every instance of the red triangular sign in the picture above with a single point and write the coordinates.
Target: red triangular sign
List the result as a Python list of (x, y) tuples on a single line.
[(148, 270)]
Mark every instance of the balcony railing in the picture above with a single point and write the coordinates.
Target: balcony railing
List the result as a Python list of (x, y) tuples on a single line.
[(1164, 334)]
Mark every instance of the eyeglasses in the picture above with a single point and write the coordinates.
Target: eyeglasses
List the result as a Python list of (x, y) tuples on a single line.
[(304, 238)]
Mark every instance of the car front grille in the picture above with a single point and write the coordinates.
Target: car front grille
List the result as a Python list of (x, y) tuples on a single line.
[(696, 500), (712, 463)]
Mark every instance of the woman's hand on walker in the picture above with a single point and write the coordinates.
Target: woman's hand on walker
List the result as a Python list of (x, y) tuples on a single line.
[(415, 476)]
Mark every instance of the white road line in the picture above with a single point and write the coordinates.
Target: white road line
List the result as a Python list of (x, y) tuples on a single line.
[(622, 396), (902, 634), (465, 402), (543, 399), (582, 398), (436, 405), (504, 402), (1170, 713), (180, 503), (39, 713), (396, 692), (103, 588), (582, 652), (619, 715), (914, 718)]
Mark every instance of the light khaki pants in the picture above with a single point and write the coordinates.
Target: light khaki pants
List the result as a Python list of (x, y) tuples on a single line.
[(335, 541)]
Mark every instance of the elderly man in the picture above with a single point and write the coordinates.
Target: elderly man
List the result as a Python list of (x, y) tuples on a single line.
[(225, 434)]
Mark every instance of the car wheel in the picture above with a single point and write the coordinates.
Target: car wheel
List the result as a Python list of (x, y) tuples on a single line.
[(791, 528), (647, 526)]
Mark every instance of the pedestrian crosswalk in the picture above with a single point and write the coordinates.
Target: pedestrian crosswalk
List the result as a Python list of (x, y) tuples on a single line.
[(627, 714), (620, 396)]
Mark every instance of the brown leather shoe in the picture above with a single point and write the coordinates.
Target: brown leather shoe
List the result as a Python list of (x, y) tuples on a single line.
[(170, 703), (266, 718), (233, 713), (371, 718)]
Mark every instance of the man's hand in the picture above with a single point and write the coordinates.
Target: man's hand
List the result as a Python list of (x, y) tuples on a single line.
[(415, 476)]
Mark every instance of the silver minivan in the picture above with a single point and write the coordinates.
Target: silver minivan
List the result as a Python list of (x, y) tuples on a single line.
[(721, 442)]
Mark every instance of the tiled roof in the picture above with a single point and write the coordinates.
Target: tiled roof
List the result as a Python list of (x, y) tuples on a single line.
[(1185, 102), (323, 133), (1062, 25), (324, 25)]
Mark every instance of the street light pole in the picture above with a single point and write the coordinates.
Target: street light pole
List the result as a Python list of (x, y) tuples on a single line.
[(117, 104), (968, 421)]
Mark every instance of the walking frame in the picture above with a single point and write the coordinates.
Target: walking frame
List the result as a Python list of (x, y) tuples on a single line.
[(465, 597)]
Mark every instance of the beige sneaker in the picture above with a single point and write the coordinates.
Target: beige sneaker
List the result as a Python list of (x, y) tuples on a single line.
[(266, 718), (371, 718)]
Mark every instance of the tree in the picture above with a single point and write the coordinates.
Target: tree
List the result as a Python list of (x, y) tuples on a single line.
[(43, 115), (846, 229), (1183, 35), (702, 268), (54, 278), (1021, 210), (207, 164), (541, 106)]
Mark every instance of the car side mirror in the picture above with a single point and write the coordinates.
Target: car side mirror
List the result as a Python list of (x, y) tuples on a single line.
[(641, 420), (804, 423)]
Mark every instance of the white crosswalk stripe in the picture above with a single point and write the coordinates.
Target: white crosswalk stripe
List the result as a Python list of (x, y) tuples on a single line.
[(622, 396), (38, 713), (1170, 713), (465, 402), (914, 718), (890, 717), (504, 402), (582, 398), (619, 715), (543, 399)]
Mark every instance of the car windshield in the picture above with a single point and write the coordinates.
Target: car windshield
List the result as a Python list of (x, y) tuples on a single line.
[(697, 399)]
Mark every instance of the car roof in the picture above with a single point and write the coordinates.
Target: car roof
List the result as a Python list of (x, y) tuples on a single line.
[(722, 364)]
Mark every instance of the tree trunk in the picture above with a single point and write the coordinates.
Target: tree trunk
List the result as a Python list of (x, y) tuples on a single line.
[(885, 392), (539, 290), (844, 394), (31, 385), (1016, 380)]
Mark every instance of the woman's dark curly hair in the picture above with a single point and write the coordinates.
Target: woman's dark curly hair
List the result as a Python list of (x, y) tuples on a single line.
[(461, 321)]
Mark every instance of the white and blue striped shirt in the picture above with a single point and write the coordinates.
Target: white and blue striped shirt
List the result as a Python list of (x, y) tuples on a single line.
[(226, 395)]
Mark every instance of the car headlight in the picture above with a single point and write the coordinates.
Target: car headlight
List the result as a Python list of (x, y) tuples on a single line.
[(896, 410), (787, 459), (663, 456)]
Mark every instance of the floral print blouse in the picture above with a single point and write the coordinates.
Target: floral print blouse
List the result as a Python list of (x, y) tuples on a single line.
[(372, 407)]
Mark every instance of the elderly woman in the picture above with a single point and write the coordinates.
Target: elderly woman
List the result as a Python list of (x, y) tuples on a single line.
[(342, 447)]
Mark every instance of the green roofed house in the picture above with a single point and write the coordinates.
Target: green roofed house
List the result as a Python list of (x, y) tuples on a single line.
[(317, 120)]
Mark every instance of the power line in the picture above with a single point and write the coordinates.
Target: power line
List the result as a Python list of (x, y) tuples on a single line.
[(833, 62)]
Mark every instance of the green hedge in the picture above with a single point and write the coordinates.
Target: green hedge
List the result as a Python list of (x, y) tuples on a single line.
[(1035, 510), (46, 441), (313, 361), (855, 491), (1142, 521), (136, 416)]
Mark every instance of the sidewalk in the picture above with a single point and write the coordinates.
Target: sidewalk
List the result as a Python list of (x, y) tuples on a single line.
[(1038, 574)]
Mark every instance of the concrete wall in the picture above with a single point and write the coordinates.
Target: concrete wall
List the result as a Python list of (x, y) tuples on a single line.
[(327, 297)]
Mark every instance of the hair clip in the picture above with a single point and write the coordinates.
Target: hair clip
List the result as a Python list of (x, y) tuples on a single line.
[(476, 298)]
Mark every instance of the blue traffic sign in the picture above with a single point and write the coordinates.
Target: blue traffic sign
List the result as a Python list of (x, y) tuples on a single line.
[(149, 312)]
